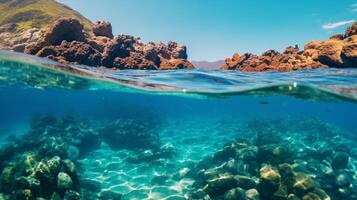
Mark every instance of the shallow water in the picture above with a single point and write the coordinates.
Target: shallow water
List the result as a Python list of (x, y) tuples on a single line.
[(171, 134)]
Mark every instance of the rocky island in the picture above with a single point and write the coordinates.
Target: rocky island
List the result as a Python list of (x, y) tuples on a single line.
[(337, 51), (66, 42), (69, 40)]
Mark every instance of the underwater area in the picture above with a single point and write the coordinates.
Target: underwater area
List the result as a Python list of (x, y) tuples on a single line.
[(74, 132)]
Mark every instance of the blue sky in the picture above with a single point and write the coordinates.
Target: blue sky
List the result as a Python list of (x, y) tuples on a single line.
[(215, 29)]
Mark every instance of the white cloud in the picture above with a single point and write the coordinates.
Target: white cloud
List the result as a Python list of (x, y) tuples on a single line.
[(335, 25)]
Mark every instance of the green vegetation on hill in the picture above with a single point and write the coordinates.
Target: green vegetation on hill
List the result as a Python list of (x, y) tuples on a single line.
[(36, 13)]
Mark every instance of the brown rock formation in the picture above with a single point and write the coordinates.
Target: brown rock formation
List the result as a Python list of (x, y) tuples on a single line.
[(174, 64), (329, 52), (65, 41), (349, 53), (67, 29), (103, 28), (61, 30), (290, 59), (74, 52), (338, 51)]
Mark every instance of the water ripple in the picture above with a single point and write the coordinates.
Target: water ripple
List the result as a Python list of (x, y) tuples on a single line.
[(36, 72)]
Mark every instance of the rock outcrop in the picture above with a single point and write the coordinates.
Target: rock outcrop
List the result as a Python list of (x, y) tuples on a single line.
[(338, 51), (67, 42), (103, 28), (67, 37), (72, 52), (64, 30)]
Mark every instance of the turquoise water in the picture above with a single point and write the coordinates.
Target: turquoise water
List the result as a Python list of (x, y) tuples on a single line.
[(74, 132)]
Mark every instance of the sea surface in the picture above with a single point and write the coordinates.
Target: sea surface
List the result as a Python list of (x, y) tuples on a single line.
[(185, 134)]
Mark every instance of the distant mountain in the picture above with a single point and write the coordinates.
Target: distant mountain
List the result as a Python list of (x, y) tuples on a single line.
[(208, 65), (28, 14), (23, 21)]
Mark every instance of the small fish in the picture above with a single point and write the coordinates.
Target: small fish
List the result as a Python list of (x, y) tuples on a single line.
[(263, 102)]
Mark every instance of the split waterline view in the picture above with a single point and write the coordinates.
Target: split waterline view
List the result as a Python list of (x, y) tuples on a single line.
[(178, 100)]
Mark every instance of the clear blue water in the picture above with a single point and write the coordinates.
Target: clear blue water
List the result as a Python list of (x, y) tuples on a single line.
[(149, 134)]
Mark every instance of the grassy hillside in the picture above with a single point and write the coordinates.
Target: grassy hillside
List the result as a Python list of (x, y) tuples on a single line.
[(36, 13)]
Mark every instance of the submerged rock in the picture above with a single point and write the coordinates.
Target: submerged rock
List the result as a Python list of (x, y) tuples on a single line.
[(246, 182), (54, 164), (227, 152), (53, 147), (71, 195), (235, 194), (22, 183), (273, 154), (269, 181), (252, 194), (6, 179), (303, 184), (43, 174), (220, 185), (281, 193), (64, 181), (55, 196), (69, 167), (343, 180), (34, 186), (305, 171), (24, 194), (340, 160), (130, 134), (39, 170)]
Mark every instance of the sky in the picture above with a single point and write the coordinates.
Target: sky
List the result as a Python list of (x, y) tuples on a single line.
[(215, 29)]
